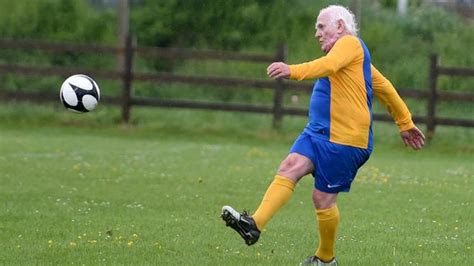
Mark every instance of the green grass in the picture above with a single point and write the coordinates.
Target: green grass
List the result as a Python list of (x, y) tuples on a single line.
[(84, 189)]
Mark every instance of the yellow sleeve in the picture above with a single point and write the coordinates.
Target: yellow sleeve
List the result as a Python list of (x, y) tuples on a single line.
[(344, 51), (386, 93)]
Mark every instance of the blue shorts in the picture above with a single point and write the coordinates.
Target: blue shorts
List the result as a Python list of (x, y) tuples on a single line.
[(335, 165)]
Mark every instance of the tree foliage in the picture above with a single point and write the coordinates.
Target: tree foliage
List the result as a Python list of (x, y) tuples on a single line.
[(231, 25), (66, 20)]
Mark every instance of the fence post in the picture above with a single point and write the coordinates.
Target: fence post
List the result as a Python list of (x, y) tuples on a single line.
[(279, 89), (432, 95), (127, 79)]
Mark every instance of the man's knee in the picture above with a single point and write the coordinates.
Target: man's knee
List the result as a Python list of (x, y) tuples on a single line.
[(295, 166), (323, 200), (288, 164)]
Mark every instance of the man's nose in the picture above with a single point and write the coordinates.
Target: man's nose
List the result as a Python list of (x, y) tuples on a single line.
[(317, 34)]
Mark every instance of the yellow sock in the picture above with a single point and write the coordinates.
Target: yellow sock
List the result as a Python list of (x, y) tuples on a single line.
[(328, 219), (278, 193)]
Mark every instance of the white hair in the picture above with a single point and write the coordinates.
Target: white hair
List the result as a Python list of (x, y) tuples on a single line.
[(341, 13)]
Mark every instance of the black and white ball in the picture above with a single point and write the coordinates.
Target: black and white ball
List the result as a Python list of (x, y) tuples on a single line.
[(80, 93)]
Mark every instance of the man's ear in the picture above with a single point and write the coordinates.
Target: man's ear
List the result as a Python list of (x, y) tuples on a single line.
[(341, 27)]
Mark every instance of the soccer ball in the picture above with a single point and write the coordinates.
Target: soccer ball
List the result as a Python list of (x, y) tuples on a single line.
[(79, 93)]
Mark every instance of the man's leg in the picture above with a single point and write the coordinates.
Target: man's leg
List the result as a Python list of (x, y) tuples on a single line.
[(278, 193), (249, 227), (327, 215), (280, 190)]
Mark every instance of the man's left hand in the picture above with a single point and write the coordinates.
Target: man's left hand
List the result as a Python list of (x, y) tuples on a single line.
[(413, 137)]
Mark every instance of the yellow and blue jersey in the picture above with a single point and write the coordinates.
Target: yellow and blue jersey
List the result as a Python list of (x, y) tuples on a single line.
[(340, 108)]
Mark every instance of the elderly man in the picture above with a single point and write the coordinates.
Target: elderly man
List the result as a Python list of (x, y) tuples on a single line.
[(337, 140)]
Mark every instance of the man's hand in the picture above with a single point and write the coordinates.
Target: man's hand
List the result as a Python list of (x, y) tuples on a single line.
[(413, 138), (278, 70)]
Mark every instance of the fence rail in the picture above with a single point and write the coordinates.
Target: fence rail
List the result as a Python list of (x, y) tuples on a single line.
[(127, 76)]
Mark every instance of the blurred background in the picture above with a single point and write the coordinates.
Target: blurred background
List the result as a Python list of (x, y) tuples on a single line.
[(213, 51)]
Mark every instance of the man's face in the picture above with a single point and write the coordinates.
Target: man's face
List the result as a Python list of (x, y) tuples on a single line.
[(326, 31)]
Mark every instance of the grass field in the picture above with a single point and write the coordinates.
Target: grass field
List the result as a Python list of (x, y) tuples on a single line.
[(83, 189)]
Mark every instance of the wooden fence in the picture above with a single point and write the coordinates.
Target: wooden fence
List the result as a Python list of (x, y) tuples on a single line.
[(127, 76)]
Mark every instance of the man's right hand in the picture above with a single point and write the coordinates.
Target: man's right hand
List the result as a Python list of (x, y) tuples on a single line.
[(278, 70)]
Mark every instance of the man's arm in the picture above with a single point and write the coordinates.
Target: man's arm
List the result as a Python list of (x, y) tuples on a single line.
[(386, 93), (344, 51)]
